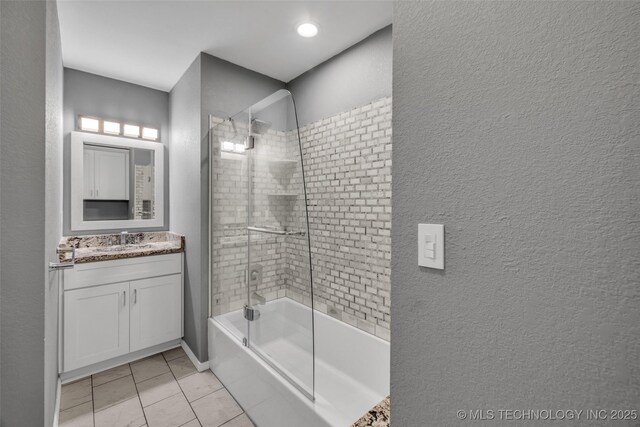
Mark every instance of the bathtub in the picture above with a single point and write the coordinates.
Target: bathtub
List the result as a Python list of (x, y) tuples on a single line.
[(351, 368)]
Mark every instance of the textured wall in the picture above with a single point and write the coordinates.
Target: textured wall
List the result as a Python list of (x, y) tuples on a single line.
[(209, 86), (27, 135), (227, 89), (184, 206), (90, 94), (53, 202), (355, 77), (517, 126)]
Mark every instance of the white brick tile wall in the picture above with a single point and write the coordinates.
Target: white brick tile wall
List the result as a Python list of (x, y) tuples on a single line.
[(347, 160)]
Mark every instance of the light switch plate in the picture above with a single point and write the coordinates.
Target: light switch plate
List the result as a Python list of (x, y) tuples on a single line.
[(431, 246)]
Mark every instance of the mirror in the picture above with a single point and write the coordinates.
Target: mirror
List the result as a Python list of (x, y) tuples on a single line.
[(115, 182)]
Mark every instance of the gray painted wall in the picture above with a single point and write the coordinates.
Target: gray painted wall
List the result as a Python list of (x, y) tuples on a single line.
[(210, 86), (90, 94), (30, 116), (517, 125), (53, 203), (1, 139), (184, 209), (354, 77), (226, 90)]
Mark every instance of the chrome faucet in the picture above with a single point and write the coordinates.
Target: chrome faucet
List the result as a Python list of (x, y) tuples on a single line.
[(259, 298), (123, 237)]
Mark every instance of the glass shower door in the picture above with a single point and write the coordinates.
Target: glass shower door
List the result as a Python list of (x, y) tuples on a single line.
[(228, 201), (260, 271), (280, 306)]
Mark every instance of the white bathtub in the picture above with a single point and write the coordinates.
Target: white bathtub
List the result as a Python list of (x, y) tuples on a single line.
[(351, 369)]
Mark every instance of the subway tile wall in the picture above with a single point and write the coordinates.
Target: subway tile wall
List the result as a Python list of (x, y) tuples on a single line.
[(347, 160), (230, 201), (144, 192)]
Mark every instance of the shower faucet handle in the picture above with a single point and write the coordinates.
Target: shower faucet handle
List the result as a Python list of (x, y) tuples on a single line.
[(254, 276)]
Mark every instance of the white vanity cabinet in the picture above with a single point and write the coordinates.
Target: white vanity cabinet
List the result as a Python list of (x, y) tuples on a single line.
[(96, 321), (155, 317), (114, 308)]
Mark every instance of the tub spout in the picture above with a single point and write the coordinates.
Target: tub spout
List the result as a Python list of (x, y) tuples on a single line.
[(259, 298)]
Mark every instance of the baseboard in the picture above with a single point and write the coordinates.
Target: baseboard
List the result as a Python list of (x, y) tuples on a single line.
[(76, 374), (56, 408), (200, 366)]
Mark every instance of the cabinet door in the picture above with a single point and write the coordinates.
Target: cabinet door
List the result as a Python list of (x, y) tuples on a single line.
[(156, 311), (96, 324), (87, 185), (111, 174)]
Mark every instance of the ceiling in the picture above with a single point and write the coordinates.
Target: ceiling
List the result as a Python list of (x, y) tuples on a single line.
[(153, 42)]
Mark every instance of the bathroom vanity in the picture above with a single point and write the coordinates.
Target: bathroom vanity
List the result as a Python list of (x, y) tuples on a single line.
[(121, 300)]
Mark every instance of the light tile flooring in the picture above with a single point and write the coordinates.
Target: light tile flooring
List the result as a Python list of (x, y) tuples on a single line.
[(164, 390)]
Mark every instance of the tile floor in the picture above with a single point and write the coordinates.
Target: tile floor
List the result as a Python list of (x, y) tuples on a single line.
[(164, 390)]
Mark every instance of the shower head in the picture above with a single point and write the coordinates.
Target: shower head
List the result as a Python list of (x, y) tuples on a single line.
[(259, 126)]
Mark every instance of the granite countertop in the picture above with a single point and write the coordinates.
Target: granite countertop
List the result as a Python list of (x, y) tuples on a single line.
[(378, 416), (103, 247)]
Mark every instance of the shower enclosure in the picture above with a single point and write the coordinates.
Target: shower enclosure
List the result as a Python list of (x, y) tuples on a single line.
[(259, 237), (286, 363)]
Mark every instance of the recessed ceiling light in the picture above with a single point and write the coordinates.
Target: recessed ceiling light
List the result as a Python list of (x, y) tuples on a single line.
[(307, 29)]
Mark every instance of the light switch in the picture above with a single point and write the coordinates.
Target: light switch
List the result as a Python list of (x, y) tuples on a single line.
[(431, 245)]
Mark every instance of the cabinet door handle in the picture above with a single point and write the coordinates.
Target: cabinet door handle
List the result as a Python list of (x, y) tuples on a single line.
[(135, 296), (124, 300)]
